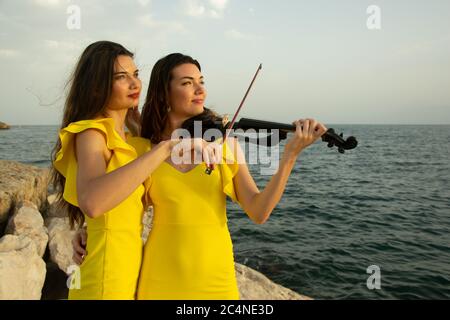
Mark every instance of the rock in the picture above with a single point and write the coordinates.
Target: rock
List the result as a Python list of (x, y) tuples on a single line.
[(4, 126), (22, 271), (60, 242), (21, 182), (253, 285), (54, 211), (147, 223), (28, 221)]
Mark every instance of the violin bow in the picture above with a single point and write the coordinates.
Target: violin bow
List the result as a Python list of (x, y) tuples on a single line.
[(230, 127)]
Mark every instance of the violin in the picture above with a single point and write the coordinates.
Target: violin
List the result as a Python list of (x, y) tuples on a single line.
[(210, 121), (207, 120)]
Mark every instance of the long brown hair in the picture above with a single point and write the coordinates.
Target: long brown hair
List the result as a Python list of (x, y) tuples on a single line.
[(90, 89), (155, 109)]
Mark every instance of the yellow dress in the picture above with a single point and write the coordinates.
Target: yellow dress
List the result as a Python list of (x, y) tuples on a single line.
[(114, 245), (189, 252)]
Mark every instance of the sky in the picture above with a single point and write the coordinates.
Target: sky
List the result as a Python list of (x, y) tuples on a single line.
[(340, 62)]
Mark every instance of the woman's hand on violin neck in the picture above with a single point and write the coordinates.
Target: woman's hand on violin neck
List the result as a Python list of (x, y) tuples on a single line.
[(306, 133)]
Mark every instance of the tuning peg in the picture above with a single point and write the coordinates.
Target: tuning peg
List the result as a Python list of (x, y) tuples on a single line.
[(341, 150)]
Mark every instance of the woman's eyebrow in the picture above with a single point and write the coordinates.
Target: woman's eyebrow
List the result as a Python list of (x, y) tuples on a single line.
[(190, 78), (124, 72)]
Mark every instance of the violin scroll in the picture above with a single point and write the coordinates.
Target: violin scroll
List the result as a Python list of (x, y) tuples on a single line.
[(334, 139)]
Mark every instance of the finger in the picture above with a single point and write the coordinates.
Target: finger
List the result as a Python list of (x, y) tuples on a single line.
[(306, 126), (298, 127), (212, 157), (80, 251), (212, 164), (211, 153), (313, 127), (206, 158), (77, 248), (83, 238), (218, 153), (321, 129), (76, 259)]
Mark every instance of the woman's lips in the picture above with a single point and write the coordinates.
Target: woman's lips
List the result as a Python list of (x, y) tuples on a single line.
[(199, 101), (135, 95)]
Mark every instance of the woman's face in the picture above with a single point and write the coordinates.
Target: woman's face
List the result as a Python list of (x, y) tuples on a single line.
[(126, 84), (187, 92)]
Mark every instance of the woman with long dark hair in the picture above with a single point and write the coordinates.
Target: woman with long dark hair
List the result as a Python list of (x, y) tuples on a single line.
[(99, 175), (189, 252)]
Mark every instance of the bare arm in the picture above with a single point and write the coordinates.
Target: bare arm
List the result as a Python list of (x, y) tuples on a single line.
[(98, 191), (259, 205)]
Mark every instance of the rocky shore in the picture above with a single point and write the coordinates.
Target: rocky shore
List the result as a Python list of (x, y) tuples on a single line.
[(36, 250), (3, 126)]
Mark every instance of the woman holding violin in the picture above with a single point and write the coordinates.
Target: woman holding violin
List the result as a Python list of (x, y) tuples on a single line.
[(189, 252)]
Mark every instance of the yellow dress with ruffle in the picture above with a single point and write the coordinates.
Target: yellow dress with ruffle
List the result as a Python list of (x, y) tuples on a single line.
[(114, 244), (189, 251)]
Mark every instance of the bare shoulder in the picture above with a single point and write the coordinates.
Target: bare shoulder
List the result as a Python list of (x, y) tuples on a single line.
[(92, 141)]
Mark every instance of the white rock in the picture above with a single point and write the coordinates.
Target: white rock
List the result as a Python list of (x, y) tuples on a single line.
[(28, 221), (22, 271), (253, 285), (60, 242), (147, 223), (53, 209), (20, 182)]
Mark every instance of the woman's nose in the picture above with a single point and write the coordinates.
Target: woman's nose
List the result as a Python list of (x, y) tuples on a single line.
[(135, 82), (199, 89)]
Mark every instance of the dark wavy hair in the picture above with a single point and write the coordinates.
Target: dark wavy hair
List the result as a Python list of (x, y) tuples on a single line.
[(154, 112), (89, 92)]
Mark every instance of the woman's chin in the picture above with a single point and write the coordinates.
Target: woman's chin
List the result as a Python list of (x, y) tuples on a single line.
[(197, 110)]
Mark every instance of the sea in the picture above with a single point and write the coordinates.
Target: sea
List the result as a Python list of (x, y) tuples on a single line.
[(371, 223)]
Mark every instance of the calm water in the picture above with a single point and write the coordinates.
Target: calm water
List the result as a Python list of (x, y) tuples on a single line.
[(386, 203)]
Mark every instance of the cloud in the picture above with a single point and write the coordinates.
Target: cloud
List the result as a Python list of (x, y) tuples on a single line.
[(47, 3), (167, 26), (51, 44), (144, 3), (65, 46), (237, 35), (234, 34), (193, 8), (198, 8), (218, 4), (8, 53)]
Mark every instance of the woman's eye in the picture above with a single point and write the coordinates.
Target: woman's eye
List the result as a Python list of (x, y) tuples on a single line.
[(186, 83), (120, 77)]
